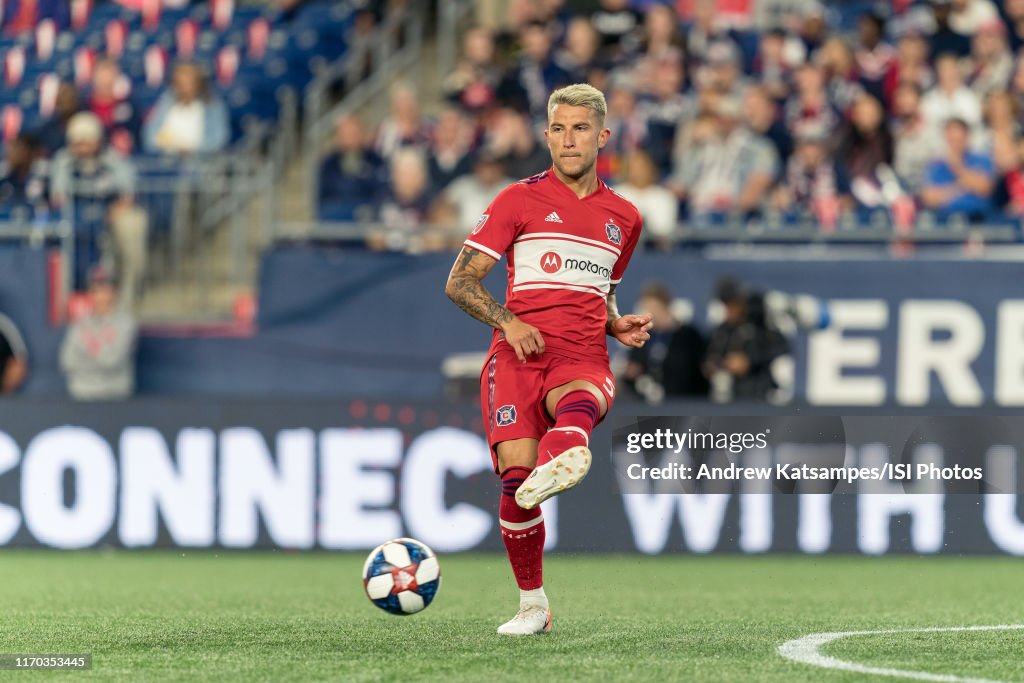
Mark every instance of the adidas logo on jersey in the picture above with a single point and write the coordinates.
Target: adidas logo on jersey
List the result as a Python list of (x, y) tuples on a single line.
[(553, 218)]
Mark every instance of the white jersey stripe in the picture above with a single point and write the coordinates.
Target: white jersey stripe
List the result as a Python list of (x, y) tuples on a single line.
[(568, 238), (556, 282), (575, 288), (519, 526), (490, 252), (530, 238)]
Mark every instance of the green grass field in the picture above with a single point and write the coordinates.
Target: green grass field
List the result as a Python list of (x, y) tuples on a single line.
[(303, 617)]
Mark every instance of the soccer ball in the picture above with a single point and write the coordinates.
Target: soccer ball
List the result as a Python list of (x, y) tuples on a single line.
[(401, 576)]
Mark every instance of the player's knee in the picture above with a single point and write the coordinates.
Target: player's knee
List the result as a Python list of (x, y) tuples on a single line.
[(517, 453), (556, 394)]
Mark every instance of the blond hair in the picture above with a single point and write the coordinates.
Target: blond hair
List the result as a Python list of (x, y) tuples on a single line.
[(579, 95)]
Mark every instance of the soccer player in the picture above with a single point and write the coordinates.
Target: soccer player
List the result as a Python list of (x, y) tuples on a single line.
[(567, 238)]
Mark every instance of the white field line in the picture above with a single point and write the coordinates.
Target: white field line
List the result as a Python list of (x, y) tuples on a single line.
[(806, 651)]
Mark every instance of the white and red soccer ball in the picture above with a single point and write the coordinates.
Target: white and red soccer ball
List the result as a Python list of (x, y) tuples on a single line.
[(402, 576)]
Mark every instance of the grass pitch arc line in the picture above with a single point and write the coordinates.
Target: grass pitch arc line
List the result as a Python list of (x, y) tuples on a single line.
[(806, 650)]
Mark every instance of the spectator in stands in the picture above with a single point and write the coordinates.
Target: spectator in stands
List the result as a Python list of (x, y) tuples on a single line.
[(404, 127), (618, 25), (521, 13), (657, 205), (666, 109), (866, 151), (1013, 11), (966, 17), (962, 183), (98, 352), (474, 81), (628, 126), (406, 208), (1013, 185), (950, 97), (580, 55), (815, 185), (512, 139), (703, 31), (842, 82), (19, 17), (108, 99), (773, 67), (911, 66), (874, 57), (53, 132), (661, 43), (669, 365), (916, 140), (352, 178), (760, 113), (469, 196), (743, 347), (812, 28), (23, 176), (13, 357), (189, 118), (695, 150), (535, 74), (97, 186), (451, 148), (943, 38), (734, 171), (555, 15), (722, 74), (1001, 131), (810, 106), (991, 61)]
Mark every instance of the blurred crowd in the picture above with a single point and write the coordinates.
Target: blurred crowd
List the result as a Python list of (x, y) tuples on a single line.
[(81, 162), (794, 111)]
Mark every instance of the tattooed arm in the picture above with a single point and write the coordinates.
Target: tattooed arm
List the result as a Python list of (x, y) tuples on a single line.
[(629, 329), (465, 288), (612, 307)]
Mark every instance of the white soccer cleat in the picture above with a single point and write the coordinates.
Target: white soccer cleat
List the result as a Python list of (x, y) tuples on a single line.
[(529, 620), (559, 474)]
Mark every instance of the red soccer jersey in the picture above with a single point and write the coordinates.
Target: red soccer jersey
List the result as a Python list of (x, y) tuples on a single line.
[(563, 253)]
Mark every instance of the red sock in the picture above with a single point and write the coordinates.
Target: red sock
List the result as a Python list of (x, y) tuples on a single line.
[(575, 417), (522, 531)]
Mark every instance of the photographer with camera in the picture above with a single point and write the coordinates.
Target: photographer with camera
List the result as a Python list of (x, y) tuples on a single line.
[(743, 347), (669, 365)]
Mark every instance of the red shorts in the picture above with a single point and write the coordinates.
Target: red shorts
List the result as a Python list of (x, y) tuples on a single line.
[(512, 393)]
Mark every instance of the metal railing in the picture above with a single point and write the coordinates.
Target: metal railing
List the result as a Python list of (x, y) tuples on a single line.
[(394, 48), (284, 140)]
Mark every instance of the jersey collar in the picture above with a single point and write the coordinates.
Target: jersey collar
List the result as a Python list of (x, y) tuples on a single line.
[(565, 188)]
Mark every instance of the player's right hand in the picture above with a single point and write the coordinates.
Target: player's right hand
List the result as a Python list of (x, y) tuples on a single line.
[(525, 339)]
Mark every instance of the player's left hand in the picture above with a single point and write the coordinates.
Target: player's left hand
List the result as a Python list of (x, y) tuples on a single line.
[(631, 329)]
